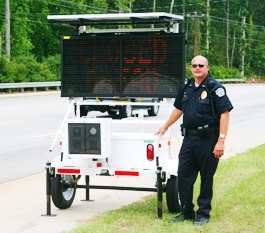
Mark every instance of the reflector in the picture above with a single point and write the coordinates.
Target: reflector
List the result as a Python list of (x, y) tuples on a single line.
[(150, 152)]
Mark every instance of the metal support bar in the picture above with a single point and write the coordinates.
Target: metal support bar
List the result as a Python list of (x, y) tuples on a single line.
[(61, 126), (87, 189), (117, 188), (48, 190), (159, 192), (29, 85)]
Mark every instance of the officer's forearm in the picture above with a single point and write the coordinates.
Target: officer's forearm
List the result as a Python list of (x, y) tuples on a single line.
[(175, 115), (224, 122)]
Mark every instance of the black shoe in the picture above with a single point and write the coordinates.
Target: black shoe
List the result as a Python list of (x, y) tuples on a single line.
[(199, 221), (180, 218)]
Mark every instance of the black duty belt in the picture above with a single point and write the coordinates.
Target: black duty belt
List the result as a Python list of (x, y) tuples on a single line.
[(205, 130)]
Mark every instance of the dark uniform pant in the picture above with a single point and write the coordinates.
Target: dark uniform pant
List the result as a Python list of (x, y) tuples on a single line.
[(196, 156)]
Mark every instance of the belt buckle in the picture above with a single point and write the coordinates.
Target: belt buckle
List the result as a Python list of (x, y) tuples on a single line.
[(201, 130), (203, 127)]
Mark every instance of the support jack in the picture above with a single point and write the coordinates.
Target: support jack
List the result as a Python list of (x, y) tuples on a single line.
[(48, 191)]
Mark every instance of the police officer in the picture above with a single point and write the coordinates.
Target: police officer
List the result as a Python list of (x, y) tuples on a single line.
[(205, 108)]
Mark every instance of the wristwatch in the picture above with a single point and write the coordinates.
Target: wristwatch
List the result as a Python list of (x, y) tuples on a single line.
[(222, 136)]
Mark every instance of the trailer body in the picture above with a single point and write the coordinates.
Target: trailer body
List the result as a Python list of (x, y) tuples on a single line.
[(121, 68)]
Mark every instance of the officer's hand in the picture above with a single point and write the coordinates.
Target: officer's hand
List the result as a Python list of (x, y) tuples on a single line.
[(161, 131), (219, 149)]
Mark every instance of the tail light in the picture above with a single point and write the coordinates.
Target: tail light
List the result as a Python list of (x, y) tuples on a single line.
[(150, 152)]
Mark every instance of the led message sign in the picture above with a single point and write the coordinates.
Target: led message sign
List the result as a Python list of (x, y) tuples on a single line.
[(123, 65)]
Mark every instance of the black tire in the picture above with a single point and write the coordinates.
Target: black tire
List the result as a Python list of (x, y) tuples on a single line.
[(112, 113), (83, 111), (172, 195), (125, 111), (63, 191), (153, 111)]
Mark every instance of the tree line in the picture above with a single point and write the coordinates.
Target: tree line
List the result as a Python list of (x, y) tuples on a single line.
[(230, 33)]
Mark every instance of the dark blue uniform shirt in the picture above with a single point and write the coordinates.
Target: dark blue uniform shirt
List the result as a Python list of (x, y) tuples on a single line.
[(202, 105)]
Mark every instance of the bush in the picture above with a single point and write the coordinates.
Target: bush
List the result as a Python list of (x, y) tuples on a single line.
[(5, 68), (27, 69), (54, 65), (218, 72)]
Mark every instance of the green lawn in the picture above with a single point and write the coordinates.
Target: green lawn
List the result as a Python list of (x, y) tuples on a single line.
[(238, 205)]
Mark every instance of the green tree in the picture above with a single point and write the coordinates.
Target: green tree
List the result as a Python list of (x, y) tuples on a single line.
[(33, 36), (21, 29), (123, 5)]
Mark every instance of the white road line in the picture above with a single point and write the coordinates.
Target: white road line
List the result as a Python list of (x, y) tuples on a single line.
[(44, 135)]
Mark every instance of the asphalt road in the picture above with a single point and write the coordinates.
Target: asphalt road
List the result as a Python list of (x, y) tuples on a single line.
[(247, 125), (28, 123)]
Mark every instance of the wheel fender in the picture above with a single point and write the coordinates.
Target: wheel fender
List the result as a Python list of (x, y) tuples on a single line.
[(171, 167)]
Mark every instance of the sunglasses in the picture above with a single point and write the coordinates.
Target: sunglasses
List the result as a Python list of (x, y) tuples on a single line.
[(195, 65)]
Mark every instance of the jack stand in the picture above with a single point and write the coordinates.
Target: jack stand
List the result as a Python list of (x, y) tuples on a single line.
[(159, 193), (87, 190), (48, 190)]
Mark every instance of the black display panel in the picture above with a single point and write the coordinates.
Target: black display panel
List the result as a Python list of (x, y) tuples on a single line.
[(84, 138), (123, 65)]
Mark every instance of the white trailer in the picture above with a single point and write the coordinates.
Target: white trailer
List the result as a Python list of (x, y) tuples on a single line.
[(128, 63)]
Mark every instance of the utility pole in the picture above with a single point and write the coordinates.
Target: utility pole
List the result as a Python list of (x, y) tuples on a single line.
[(171, 6), (154, 10), (195, 29), (154, 5), (242, 46), (184, 15), (227, 35), (195, 34), (208, 27), (7, 16)]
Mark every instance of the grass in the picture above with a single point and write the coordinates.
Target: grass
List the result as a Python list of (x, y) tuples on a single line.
[(238, 205)]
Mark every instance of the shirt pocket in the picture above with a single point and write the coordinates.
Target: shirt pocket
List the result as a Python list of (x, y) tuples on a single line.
[(203, 106)]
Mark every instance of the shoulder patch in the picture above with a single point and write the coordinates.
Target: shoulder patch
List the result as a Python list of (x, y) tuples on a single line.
[(220, 92)]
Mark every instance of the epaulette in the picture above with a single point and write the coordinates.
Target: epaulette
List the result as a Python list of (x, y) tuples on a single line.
[(211, 85), (187, 81)]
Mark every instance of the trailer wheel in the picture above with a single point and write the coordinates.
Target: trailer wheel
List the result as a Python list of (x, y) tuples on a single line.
[(153, 111), (63, 190), (125, 111), (112, 113), (172, 195)]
